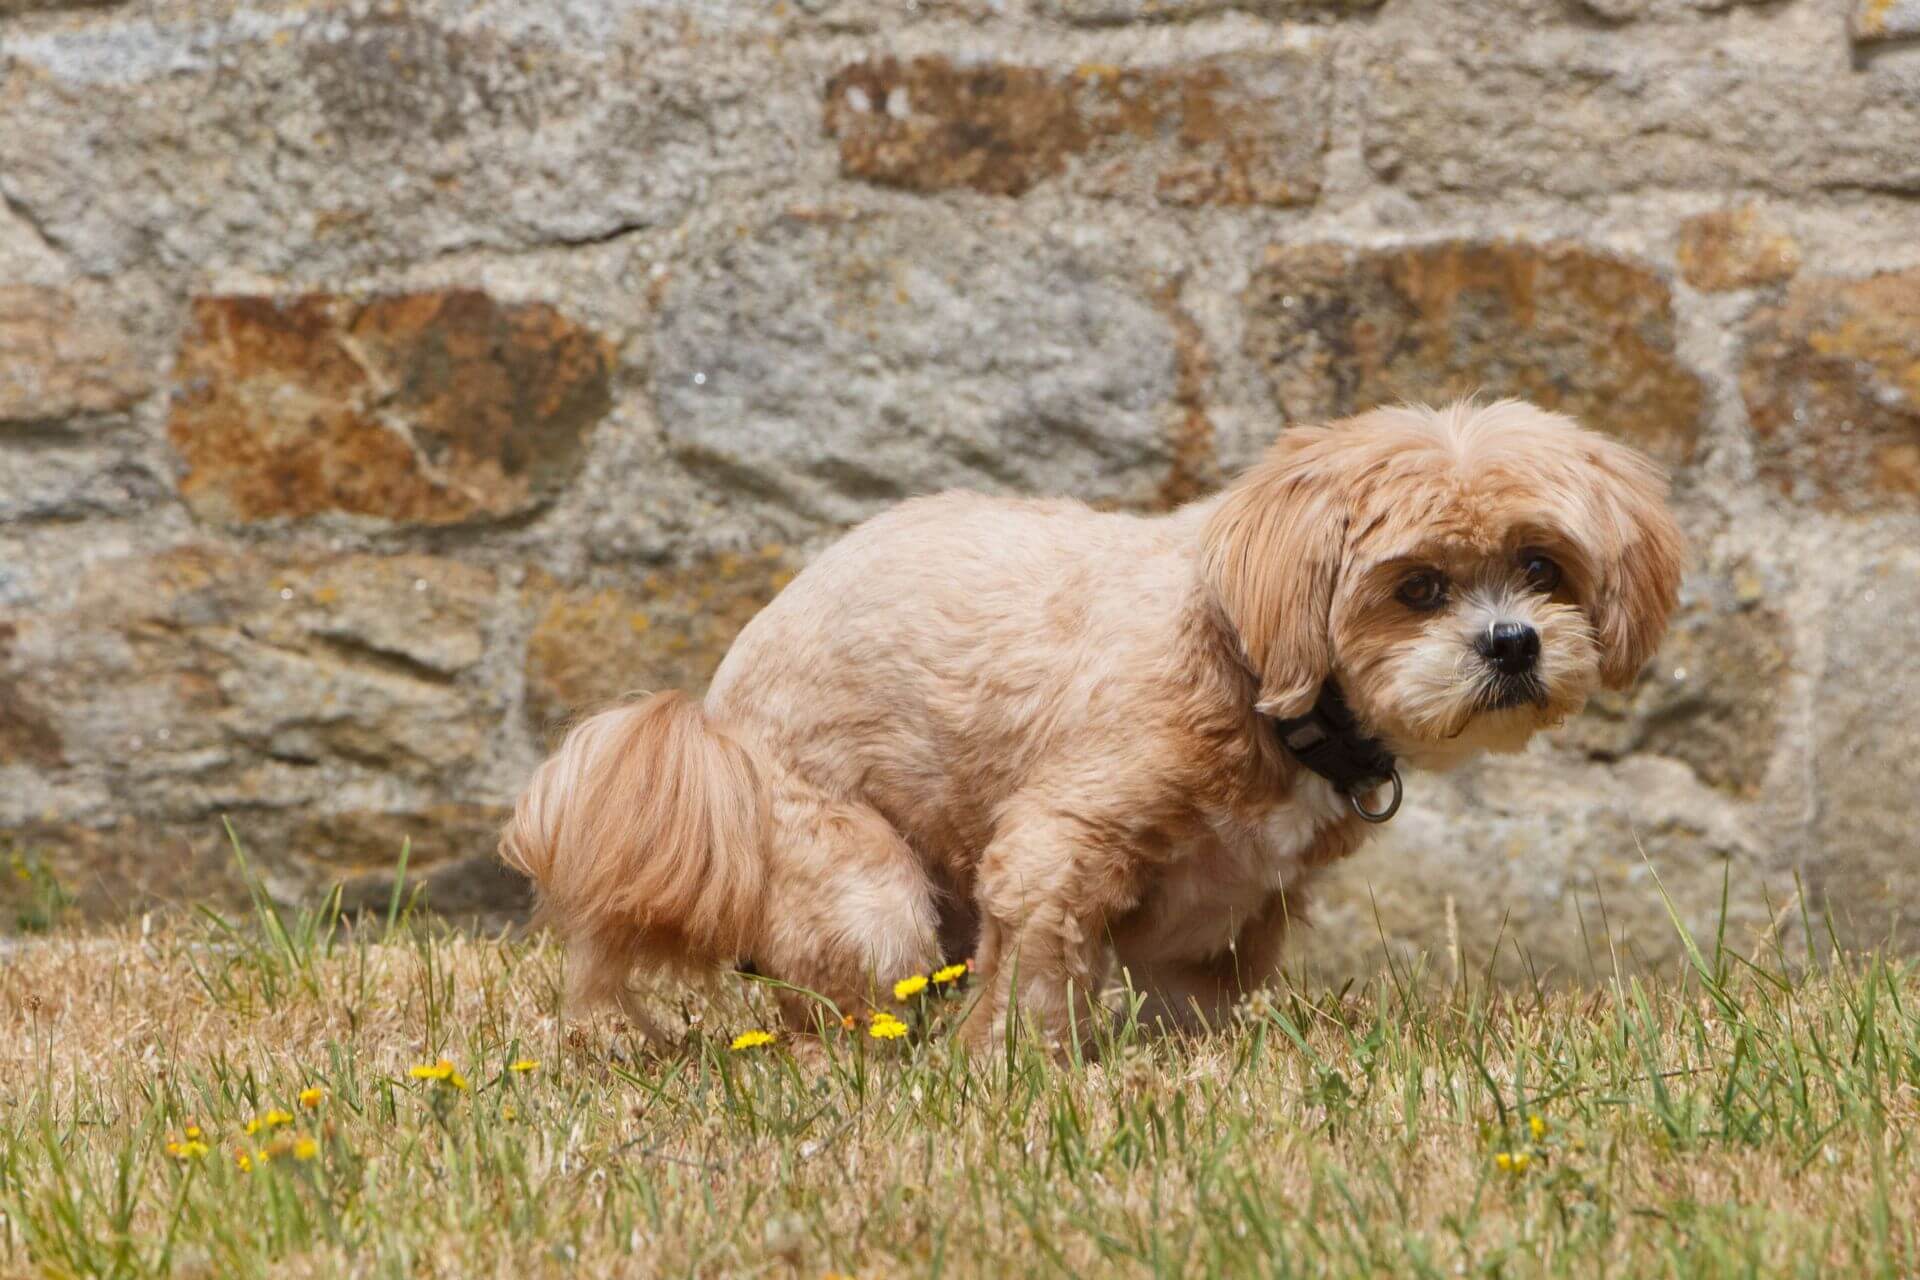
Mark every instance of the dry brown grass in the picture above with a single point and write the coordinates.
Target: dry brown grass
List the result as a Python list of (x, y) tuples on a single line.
[(1731, 1120)]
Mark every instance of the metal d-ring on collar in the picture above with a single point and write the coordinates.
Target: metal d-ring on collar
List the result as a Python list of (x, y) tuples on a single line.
[(1379, 815), (1327, 741)]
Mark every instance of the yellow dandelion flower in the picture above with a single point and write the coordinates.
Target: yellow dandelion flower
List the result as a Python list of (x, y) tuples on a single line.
[(752, 1040), (951, 974), (305, 1148), (193, 1131), (1503, 1161), (243, 1161), (886, 1027), (253, 1126), (522, 1066), (275, 1118), (507, 1112), (441, 1070), (312, 1096), (846, 1021), (191, 1149), (1537, 1126), (907, 988), (1512, 1161)]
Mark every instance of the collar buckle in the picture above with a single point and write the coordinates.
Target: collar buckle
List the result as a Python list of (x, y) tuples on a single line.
[(1327, 741)]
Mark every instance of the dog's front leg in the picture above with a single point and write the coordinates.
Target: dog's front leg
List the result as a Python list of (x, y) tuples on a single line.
[(1048, 886), (1187, 993)]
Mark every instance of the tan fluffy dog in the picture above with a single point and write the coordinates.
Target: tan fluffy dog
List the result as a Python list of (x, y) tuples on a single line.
[(1046, 734)]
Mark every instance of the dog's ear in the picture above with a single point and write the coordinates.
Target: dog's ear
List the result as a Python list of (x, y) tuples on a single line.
[(1271, 553), (1640, 556)]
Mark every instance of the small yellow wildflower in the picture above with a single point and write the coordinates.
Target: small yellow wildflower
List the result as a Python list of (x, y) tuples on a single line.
[(951, 974), (243, 1161), (305, 1148), (1537, 1126), (846, 1021), (907, 988), (312, 1096), (191, 1149), (442, 1070), (522, 1066), (193, 1131), (273, 1118), (752, 1040), (1512, 1161), (507, 1112), (886, 1027)]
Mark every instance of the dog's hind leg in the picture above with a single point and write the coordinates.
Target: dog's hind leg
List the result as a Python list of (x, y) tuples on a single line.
[(851, 907)]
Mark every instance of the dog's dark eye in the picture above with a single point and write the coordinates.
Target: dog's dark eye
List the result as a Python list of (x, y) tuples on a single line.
[(1543, 575), (1426, 589)]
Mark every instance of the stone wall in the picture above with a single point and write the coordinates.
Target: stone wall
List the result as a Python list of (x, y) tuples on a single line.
[(380, 384)]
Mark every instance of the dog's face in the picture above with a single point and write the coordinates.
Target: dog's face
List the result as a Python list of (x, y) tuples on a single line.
[(1468, 575)]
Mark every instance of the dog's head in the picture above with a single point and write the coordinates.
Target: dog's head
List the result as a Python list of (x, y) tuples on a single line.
[(1469, 575)]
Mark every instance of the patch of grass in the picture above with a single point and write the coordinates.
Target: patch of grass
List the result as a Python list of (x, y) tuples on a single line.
[(34, 894), (1735, 1119)]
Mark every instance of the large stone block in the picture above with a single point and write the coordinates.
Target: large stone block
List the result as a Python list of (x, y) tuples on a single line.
[(591, 647), (825, 366), (1338, 329), (1114, 12), (431, 408), (1589, 113), (199, 681), (1832, 385), (1864, 858), (1224, 131), (1710, 698), (1545, 870), (326, 137), (59, 359)]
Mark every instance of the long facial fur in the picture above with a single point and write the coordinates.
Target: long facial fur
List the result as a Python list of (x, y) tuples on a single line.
[(1309, 549)]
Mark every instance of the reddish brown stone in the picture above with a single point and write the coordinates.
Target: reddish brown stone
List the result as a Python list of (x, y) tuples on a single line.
[(56, 361), (592, 647), (1339, 329), (1832, 385), (928, 125), (1735, 249), (1224, 131), (1196, 464), (26, 735), (1114, 12), (432, 408)]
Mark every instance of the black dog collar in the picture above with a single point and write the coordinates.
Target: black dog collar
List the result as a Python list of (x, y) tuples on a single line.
[(1326, 741)]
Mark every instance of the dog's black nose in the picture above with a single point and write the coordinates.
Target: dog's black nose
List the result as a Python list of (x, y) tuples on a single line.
[(1511, 647)]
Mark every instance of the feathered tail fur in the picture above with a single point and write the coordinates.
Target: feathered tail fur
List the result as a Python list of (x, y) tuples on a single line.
[(646, 833)]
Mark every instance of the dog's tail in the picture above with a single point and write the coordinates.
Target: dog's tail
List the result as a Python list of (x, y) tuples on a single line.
[(646, 833)]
